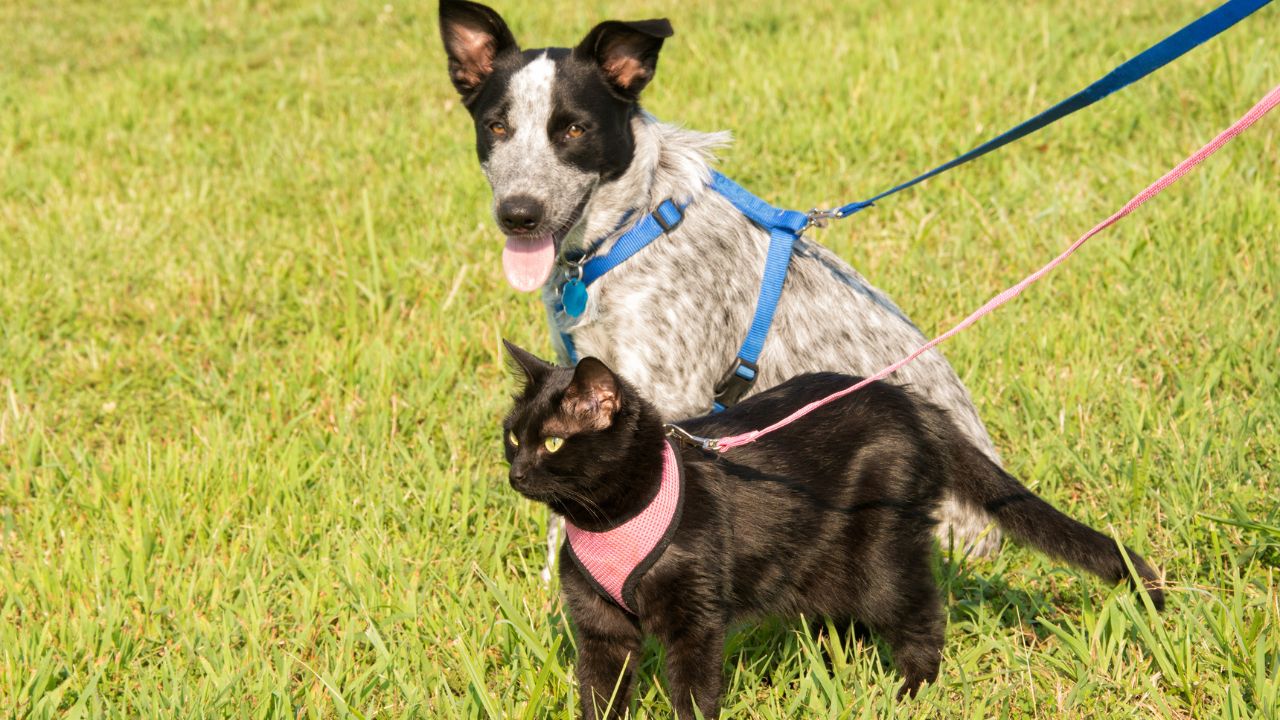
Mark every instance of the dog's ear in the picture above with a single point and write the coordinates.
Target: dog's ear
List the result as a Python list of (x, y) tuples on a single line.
[(474, 36), (525, 363), (594, 395), (627, 52)]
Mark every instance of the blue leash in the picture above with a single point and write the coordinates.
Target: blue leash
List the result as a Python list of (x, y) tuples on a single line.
[(786, 226), (1140, 66)]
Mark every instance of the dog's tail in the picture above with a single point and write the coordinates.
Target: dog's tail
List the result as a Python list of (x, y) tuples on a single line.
[(1030, 520)]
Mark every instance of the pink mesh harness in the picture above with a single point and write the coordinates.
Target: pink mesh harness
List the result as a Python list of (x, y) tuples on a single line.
[(614, 560)]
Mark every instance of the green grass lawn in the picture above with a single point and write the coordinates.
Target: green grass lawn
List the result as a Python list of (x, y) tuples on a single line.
[(250, 371)]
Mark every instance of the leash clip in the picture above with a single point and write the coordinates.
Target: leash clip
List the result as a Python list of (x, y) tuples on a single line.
[(680, 434), (819, 218)]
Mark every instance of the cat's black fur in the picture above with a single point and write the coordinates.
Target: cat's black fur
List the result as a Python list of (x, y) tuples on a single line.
[(830, 516)]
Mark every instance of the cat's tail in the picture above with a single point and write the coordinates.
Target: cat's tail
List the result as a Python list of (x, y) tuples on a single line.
[(1030, 520)]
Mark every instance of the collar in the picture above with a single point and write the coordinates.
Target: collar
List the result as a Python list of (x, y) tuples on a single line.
[(615, 560)]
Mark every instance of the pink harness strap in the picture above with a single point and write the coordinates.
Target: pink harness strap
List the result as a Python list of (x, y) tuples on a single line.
[(615, 560)]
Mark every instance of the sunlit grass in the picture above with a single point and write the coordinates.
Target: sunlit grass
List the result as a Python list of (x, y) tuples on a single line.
[(250, 310)]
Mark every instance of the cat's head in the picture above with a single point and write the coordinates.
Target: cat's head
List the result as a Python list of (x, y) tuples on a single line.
[(579, 439)]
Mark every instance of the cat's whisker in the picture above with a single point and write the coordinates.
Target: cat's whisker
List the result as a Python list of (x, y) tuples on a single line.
[(591, 506)]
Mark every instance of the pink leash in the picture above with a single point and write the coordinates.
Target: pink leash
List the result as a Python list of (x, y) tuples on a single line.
[(1263, 107)]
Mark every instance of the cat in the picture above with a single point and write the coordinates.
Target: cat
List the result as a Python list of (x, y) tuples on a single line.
[(831, 516)]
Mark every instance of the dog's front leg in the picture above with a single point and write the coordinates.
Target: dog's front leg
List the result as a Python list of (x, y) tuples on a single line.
[(555, 528)]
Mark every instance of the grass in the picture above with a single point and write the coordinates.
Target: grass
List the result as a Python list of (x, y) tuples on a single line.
[(250, 310)]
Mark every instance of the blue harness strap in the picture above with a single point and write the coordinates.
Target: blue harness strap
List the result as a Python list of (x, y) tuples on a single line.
[(784, 228), (665, 218)]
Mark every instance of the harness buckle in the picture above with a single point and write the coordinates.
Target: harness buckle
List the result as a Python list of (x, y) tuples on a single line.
[(661, 213), (736, 382)]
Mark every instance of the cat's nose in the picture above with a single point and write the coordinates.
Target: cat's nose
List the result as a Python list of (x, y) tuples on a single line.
[(516, 476)]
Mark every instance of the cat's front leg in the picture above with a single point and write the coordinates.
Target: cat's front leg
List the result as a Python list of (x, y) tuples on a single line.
[(609, 643), (695, 658), (695, 672)]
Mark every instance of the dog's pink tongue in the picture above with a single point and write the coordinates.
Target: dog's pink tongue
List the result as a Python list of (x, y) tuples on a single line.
[(527, 261)]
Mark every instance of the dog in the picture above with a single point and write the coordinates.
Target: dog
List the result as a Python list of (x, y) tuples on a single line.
[(572, 157)]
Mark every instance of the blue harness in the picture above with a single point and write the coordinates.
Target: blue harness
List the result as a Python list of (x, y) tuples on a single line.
[(786, 226)]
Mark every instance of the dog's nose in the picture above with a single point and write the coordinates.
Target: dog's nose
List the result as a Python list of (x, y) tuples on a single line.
[(519, 214)]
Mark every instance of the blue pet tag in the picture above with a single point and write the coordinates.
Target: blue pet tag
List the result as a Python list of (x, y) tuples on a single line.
[(574, 297)]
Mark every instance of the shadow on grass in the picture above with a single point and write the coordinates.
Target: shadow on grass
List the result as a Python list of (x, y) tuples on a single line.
[(981, 601)]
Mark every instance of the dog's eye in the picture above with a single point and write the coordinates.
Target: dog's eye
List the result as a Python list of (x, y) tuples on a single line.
[(553, 443), (511, 438), (499, 128), (575, 131)]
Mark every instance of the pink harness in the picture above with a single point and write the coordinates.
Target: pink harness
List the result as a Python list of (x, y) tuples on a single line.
[(614, 560)]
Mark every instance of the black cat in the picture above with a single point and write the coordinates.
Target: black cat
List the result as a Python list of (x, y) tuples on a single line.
[(830, 516)]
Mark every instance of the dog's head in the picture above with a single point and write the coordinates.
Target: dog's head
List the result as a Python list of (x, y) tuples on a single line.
[(552, 124)]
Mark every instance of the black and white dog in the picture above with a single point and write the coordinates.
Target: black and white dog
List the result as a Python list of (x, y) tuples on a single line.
[(569, 153)]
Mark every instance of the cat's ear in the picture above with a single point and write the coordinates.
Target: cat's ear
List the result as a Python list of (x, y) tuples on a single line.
[(594, 395), (525, 363), (474, 36), (626, 52)]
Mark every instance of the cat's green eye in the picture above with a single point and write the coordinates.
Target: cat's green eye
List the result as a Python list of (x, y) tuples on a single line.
[(511, 438), (553, 443)]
